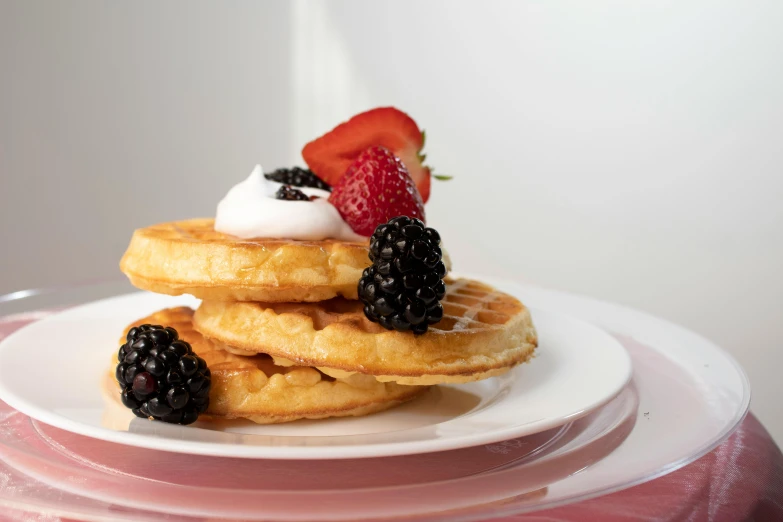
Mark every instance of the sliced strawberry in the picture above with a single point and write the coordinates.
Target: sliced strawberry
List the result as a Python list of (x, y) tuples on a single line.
[(375, 188), (330, 155)]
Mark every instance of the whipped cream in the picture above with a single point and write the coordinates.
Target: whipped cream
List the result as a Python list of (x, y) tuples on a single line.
[(250, 210)]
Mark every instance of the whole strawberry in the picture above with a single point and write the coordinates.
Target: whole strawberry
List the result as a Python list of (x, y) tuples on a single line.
[(375, 188)]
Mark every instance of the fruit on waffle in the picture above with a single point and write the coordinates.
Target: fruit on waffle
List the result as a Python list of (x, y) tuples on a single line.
[(252, 388), (231, 258), (484, 332)]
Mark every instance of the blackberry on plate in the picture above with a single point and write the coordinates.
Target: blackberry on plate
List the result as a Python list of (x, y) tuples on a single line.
[(161, 377), (403, 288), (291, 194), (298, 177)]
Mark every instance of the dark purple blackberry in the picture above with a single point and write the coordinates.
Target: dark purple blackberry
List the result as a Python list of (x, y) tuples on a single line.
[(297, 177), (291, 194), (403, 288), (161, 377)]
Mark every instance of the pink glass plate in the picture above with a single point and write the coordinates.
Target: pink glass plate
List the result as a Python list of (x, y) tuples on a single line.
[(673, 412), (413, 485)]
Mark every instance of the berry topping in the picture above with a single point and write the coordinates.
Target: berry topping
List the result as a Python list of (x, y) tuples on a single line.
[(161, 377), (375, 188), (290, 194), (330, 155), (298, 177), (403, 288)]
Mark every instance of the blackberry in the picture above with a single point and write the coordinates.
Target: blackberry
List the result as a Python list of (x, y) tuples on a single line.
[(291, 194), (298, 178), (403, 288), (161, 377)]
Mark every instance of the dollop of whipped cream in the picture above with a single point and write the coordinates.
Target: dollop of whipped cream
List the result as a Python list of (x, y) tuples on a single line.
[(250, 210)]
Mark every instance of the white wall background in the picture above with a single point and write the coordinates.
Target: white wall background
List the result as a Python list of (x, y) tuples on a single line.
[(627, 150)]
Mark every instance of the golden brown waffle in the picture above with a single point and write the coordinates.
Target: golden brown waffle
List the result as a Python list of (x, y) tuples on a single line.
[(484, 332), (255, 388), (190, 257)]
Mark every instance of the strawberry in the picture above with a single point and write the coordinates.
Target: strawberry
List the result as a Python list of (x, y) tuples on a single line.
[(330, 155), (375, 188)]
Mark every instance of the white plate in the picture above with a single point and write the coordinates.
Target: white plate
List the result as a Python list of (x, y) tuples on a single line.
[(52, 370)]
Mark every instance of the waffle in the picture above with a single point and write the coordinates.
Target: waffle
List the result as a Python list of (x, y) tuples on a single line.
[(255, 388), (190, 257), (484, 332)]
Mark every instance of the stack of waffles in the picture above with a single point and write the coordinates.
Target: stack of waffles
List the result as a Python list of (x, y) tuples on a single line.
[(285, 337)]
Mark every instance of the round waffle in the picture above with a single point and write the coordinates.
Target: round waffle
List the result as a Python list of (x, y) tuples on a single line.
[(190, 257), (484, 332), (257, 389)]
